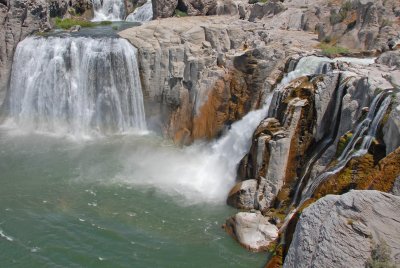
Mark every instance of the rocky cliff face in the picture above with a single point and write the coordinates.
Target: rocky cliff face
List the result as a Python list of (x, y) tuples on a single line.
[(350, 230), (18, 19), (208, 72)]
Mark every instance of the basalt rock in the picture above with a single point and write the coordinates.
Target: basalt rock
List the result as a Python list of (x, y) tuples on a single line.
[(164, 8), (346, 231), (18, 18), (200, 74), (251, 230)]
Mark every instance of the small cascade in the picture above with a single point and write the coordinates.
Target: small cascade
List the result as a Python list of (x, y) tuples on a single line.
[(325, 142), (76, 86), (365, 132), (142, 14), (306, 66), (108, 10)]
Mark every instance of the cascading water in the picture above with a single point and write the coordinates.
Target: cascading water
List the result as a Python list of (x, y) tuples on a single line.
[(108, 10), (142, 14), (77, 86), (369, 127)]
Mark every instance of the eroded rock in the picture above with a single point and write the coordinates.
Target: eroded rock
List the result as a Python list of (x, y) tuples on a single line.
[(251, 230), (342, 231)]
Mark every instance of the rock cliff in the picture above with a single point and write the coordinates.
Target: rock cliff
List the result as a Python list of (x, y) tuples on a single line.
[(347, 231), (18, 19)]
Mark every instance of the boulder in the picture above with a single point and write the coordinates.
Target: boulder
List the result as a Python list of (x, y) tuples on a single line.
[(197, 7), (164, 8), (252, 230), (346, 231), (242, 195)]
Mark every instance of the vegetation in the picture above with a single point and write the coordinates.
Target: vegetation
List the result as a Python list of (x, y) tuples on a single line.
[(68, 23), (343, 141), (380, 256), (179, 13), (328, 49)]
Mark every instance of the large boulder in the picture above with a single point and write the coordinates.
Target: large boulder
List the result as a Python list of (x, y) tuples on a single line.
[(164, 8), (347, 231), (18, 18), (252, 230), (242, 195)]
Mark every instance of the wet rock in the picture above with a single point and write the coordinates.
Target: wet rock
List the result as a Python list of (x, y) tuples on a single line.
[(243, 194), (342, 231), (251, 230), (391, 130)]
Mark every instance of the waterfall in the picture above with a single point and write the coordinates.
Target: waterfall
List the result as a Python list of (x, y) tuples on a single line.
[(111, 10), (365, 132), (76, 86), (142, 14)]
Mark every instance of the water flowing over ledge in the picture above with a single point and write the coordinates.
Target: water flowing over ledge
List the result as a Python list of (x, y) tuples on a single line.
[(111, 10), (76, 86), (142, 14)]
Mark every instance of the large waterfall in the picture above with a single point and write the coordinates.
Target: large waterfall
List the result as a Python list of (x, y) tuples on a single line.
[(78, 86), (112, 10)]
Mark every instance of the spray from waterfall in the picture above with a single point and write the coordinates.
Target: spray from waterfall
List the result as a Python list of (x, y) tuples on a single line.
[(142, 13), (108, 10), (76, 86)]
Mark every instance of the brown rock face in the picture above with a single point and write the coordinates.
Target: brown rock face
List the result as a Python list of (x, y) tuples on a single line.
[(164, 8), (363, 174), (18, 18)]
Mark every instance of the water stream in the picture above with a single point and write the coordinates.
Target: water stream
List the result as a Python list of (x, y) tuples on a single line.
[(108, 10)]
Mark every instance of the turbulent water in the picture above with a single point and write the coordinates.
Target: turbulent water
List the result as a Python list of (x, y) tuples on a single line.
[(78, 86), (77, 204), (142, 14), (108, 10), (83, 185)]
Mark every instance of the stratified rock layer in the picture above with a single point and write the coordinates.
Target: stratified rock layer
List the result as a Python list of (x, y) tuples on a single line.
[(342, 231)]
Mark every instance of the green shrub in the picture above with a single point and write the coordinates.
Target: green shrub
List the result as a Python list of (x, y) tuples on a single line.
[(329, 50), (179, 13), (68, 23)]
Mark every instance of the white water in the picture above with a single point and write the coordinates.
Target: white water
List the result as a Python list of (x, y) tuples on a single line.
[(76, 86), (108, 10), (142, 14), (200, 172), (368, 126)]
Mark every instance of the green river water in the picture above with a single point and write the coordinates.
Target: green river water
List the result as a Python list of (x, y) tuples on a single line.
[(93, 203)]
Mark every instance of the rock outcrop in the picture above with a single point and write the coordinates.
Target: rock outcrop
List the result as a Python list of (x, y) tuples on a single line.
[(18, 19), (342, 231), (391, 129), (252, 230), (164, 8), (200, 74)]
